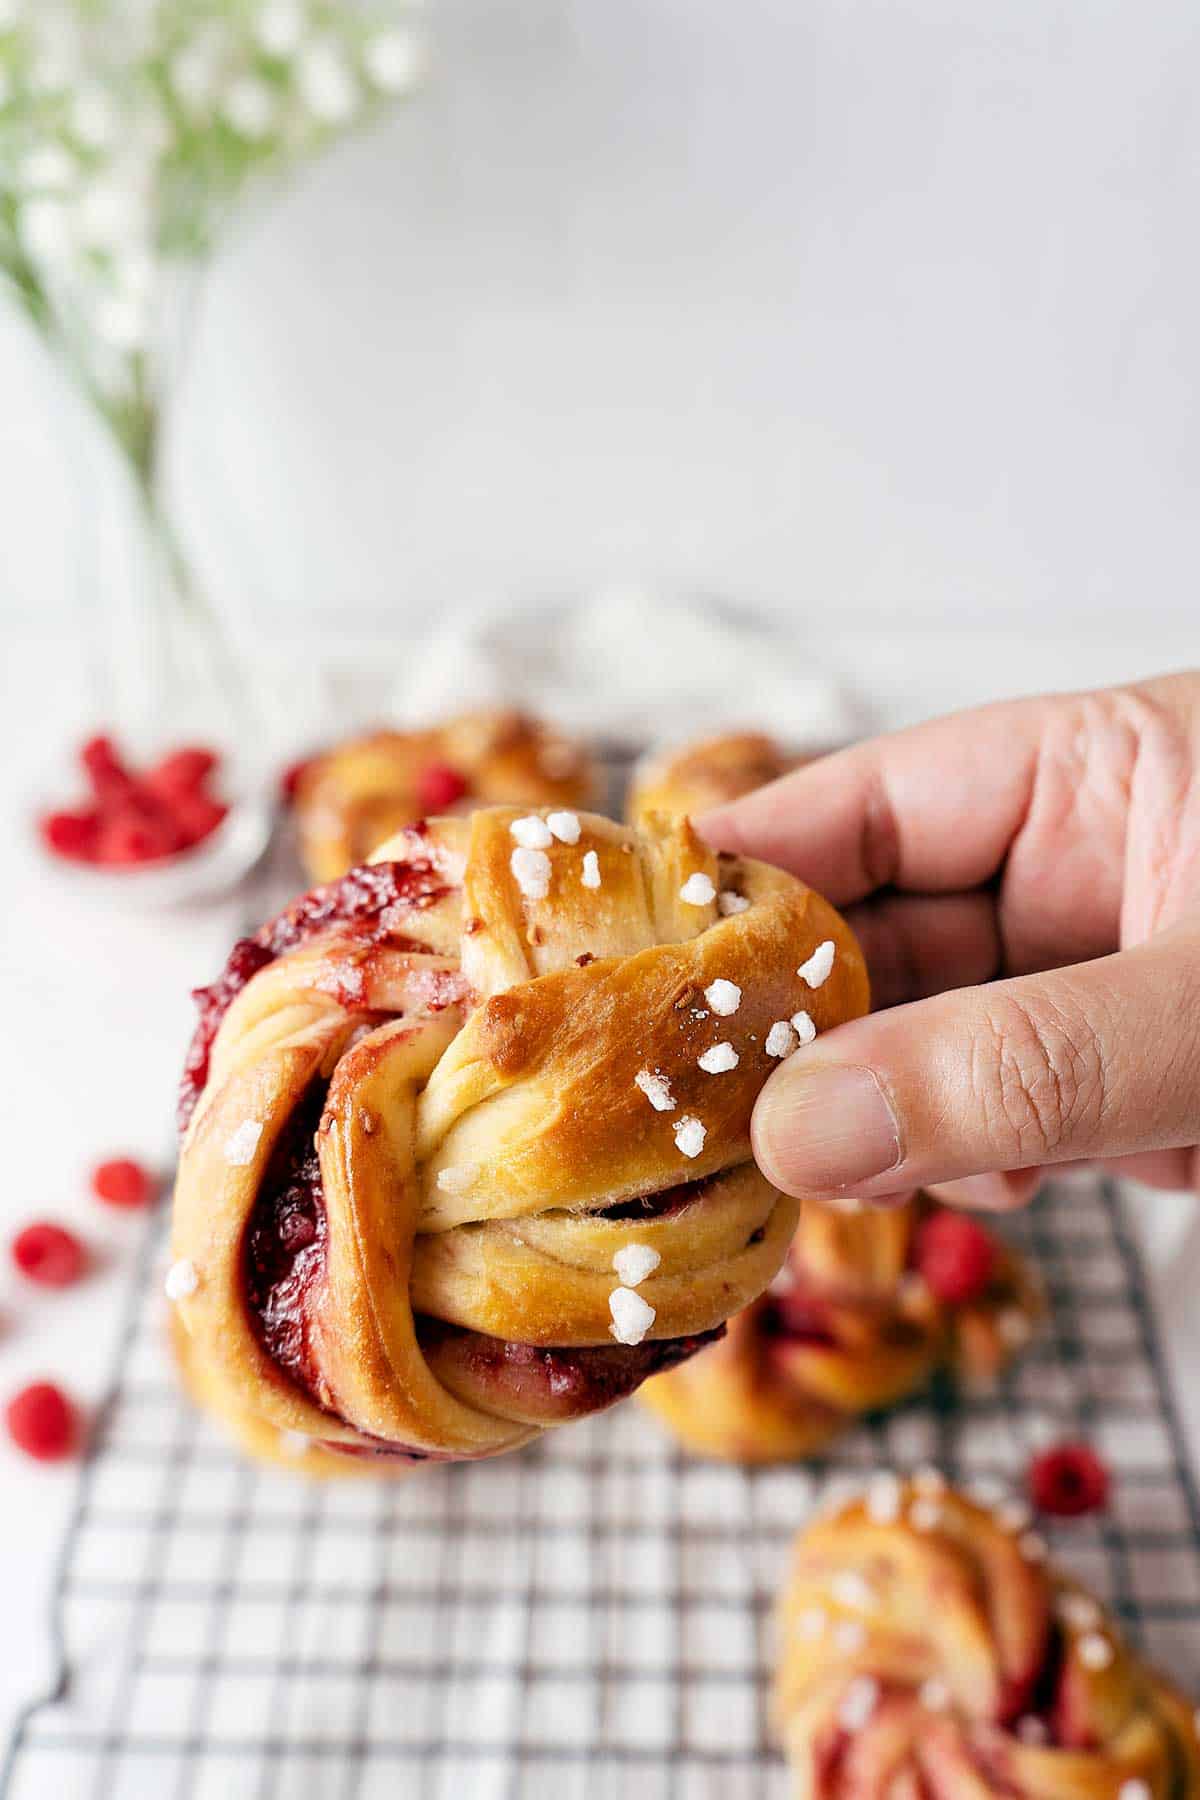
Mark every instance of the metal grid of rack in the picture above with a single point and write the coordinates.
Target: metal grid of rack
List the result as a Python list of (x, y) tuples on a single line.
[(590, 1617)]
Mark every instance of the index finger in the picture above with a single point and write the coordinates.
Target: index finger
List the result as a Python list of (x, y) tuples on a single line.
[(932, 809)]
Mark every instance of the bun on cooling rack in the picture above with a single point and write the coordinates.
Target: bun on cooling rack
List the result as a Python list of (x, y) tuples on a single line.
[(699, 775), (928, 1650), (352, 797), (467, 1143), (850, 1326)]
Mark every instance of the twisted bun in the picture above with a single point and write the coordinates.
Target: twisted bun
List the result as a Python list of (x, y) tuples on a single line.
[(363, 791), (928, 1650), (849, 1327), (430, 1104), (689, 780)]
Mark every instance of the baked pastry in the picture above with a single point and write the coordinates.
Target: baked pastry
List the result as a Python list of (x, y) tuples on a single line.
[(849, 1326), (928, 1649), (466, 1146), (350, 798), (707, 773)]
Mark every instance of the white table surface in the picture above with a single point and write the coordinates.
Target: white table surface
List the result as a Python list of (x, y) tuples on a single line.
[(97, 1016)]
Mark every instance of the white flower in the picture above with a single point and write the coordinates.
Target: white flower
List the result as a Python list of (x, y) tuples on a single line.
[(46, 230), (49, 166), (112, 211), (249, 106), (280, 27), (135, 274), (395, 61), (53, 69), (93, 118), (194, 74), (326, 83), (150, 133), (122, 321)]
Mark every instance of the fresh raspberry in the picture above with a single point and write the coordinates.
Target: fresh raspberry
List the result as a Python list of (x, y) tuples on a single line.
[(183, 770), (956, 1257), (196, 816), (123, 1182), (110, 779), (129, 837), (41, 1421), (439, 785), (1068, 1480), (49, 1254), (71, 834)]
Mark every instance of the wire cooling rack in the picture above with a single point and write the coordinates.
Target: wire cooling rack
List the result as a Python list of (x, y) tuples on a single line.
[(588, 1618)]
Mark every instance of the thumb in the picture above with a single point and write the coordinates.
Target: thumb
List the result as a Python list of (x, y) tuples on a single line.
[(1101, 1059)]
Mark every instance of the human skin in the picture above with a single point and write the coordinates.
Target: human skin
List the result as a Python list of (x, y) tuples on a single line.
[(1025, 882)]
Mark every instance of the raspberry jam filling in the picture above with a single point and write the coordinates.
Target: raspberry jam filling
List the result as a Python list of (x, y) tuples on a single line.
[(372, 900), (798, 1318), (663, 1205), (554, 1382), (284, 1262), (285, 1248)]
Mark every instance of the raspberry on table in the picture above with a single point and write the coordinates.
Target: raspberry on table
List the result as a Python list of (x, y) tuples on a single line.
[(49, 1254), (1068, 1480), (42, 1421), (123, 1182), (956, 1257)]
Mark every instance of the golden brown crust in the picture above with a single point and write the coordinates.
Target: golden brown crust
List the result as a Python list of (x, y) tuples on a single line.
[(707, 773), (926, 1648), (480, 1108), (366, 789), (850, 1328)]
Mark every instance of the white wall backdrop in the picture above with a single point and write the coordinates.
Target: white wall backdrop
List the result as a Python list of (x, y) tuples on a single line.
[(882, 309)]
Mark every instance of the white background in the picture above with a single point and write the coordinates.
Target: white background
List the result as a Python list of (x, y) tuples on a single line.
[(872, 311), (881, 316)]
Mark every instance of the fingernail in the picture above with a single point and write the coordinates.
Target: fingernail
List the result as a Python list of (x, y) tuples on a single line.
[(824, 1129)]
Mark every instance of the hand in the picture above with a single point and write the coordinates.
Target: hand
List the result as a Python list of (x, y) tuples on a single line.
[(1053, 844)]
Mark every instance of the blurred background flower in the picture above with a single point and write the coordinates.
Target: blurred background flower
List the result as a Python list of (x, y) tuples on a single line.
[(130, 133)]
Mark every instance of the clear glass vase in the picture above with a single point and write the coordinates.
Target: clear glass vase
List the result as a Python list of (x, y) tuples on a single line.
[(162, 670)]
